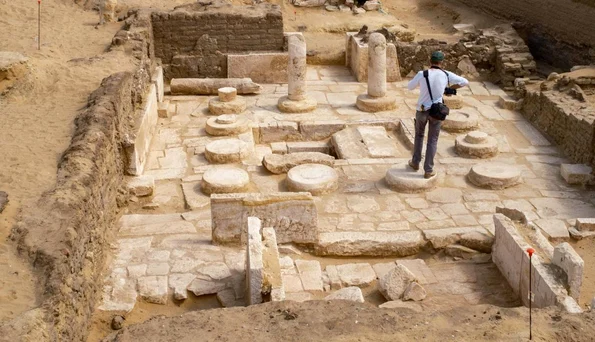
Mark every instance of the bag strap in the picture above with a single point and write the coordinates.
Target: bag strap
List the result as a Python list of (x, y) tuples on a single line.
[(426, 73)]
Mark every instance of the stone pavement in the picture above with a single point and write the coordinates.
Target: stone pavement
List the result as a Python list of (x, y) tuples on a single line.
[(163, 255)]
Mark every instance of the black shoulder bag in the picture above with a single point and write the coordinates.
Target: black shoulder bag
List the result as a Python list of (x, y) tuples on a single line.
[(438, 110)]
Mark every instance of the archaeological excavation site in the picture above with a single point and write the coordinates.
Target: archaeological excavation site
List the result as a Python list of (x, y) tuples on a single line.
[(249, 170)]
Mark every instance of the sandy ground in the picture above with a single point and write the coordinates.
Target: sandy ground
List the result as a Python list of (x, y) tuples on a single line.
[(345, 321)]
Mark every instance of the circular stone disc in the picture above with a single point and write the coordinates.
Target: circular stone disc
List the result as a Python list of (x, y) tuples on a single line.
[(494, 175), (402, 178), (476, 137), (314, 178), (226, 151), (461, 120), (224, 179), (226, 119), (240, 125), (487, 148)]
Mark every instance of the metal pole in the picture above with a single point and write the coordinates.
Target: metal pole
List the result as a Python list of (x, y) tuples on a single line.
[(38, 24)]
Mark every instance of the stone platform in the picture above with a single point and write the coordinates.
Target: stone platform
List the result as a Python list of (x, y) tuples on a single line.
[(402, 178)]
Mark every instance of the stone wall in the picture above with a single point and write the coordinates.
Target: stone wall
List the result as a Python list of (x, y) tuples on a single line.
[(194, 40), (553, 27), (67, 236)]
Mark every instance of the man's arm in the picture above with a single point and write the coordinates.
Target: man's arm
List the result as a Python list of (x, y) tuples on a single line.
[(457, 81), (415, 81)]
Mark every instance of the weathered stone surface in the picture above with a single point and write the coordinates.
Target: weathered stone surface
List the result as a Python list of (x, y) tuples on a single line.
[(568, 259), (310, 274), (576, 173), (266, 67), (153, 289), (395, 282), (193, 197), (210, 86), (402, 178), (278, 164), (371, 5), (445, 195), (316, 179), (494, 175), (585, 224), (353, 293), (227, 94), (333, 277), (418, 267), (461, 120), (226, 151), (562, 208), (141, 185), (360, 274), (202, 287), (308, 3), (479, 241), (440, 238), (320, 130), (293, 215), (553, 229), (179, 283), (370, 243), (222, 126), (225, 180), (364, 142), (138, 144), (235, 106), (254, 263), (459, 251), (414, 292), (272, 281), (367, 103), (476, 144), (227, 298)]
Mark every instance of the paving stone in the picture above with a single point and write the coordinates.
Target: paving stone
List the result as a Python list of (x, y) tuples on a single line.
[(417, 203), (434, 214), (185, 264), (193, 196), (179, 283), (413, 216), (531, 134), (436, 224), (292, 284), (454, 209), (176, 227), (562, 208), (360, 274), (215, 271), (362, 204), (414, 292), (419, 268), (395, 282), (202, 287), (464, 220), (440, 238), (553, 229), (310, 274), (136, 271), (157, 269), (333, 277), (141, 185), (444, 195), (349, 293), (400, 243), (481, 196), (393, 226), (153, 289), (482, 207), (158, 255)]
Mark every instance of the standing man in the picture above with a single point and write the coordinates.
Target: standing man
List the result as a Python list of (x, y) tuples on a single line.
[(439, 80)]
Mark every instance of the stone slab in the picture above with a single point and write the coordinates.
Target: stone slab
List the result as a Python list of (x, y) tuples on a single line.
[(270, 67), (254, 263), (310, 274), (400, 243), (359, 274), (353, 294)]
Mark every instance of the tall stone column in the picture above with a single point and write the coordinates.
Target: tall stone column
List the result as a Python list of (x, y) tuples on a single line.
[(376, 100), (297, 100)]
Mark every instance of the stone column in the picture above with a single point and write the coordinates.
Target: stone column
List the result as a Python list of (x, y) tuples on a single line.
[(376, 100), (297, 100)]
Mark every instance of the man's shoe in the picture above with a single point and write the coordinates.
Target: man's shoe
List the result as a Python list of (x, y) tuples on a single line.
[(429, 175), (413, 166)]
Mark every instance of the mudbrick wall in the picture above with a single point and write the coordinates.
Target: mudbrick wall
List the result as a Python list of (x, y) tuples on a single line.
[(194, 40), (561, 32), (67, 237)]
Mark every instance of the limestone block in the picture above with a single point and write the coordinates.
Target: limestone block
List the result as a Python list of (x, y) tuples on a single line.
[(568, 259), (370, 243), (507, 102), (320, 130), (226, 151), (316, 179), (293, 215), (477, 240), (585, 224), (461, 120), (310, 274), (418, 267), (141, 185), (272, 281), (266, 67), (476, 144), (278, 131), (139, 143), (333, 277), (576, 173), (395, 282), (402, 178), (163, 110), (494, 175), (254, 263), (201, 287), (364, 142), (371, 5), (308, 146), (353, 293), (440, 238), (225, 180), (278, 164), (553, 229), (153, 289), (210, 86), (279, 147), (358, 10), (414, 292), (360, 274), (227, 124), (308, 3), (157, 79), (453, 101), (227, 94), (235, 106), (179, 283)]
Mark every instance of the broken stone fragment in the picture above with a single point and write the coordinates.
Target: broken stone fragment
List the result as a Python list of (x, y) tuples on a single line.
[(153, 289), (282, 163), (478, 241), (353, 293), (395, 282), (202, 287), (414, 292), (459, 251), (140, 186)]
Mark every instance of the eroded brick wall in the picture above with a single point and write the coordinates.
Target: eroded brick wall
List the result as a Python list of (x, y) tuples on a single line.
[(194, 41)]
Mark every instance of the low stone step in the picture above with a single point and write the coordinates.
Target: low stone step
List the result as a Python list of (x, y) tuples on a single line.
[(370, 243)]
